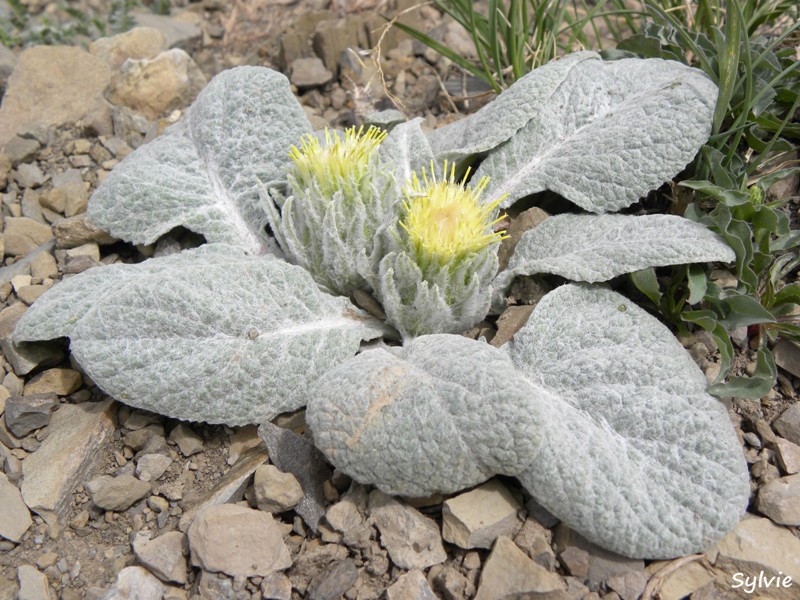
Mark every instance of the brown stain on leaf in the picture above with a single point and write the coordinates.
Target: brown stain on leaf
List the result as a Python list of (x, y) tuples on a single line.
[(389, 385)]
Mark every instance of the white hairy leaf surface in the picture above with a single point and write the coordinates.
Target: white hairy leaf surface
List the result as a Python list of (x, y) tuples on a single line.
[(203, 172), (499, 120), (639, 458), (441, 413), (599, 412), (607, 135), (209, 335), (596, 248)]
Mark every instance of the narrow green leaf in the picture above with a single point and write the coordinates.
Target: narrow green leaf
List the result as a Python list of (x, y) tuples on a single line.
[(728, 51), (757, 385), (646, 282)]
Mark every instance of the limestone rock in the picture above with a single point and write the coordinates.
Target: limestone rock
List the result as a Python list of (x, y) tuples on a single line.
[(535, 540), (21, 150), (475, 519), (242, 440), (601, 564), (157, 86), (309, 73), (188, 441), (297, 455), (24, 414), (682, 582), (14, 518), (347, 517), (788, 456), (165, 556), (150, 467), (228, 489), (511, 321), (117, 493), (43, 90), (780, 500), (787, 425), (757, 546), (32, 584), (138, 43), (276, 587), (411, 586), (276, 491), (135, 583), (509, 571), (71, 451), (411, 539), (55, 381), (179, 30), (23, 235), (44, 266), (78, 230), (629, 585), (237, 541), (334, 581)]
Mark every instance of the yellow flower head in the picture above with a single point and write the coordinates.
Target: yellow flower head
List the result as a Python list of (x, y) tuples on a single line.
[(337, 163), (445, 220)]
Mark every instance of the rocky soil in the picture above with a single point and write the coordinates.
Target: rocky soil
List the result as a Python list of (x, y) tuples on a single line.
[(101, 501)]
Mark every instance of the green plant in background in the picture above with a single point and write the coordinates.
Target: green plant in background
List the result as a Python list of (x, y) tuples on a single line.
[(68, 23), (515, 38), (745, 48)]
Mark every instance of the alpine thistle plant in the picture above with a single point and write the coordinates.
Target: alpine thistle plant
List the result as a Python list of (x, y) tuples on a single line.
[(438, 276), (338, 208)]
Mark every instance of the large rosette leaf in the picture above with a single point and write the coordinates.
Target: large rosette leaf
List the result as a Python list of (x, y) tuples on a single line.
[(203, 173), (599, 402), (206, 335)]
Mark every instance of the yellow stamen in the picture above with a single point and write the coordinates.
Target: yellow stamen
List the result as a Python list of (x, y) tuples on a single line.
[(446, 220), (337, 162)]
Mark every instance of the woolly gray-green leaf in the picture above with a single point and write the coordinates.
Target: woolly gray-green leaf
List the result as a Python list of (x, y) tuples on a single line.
[(438, 415), (599, 412), (203, 172), (599, 247), (607, 135), (208, 335), (638, 458), (407, 150), (499, 120)]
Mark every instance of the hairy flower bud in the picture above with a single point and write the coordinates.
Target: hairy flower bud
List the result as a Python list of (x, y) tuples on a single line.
[(438, 278), (339, 205)]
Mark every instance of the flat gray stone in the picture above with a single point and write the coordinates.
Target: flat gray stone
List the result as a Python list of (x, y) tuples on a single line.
[(165, 556), (150, 467), (180, 31), (135, 583), (601, 564), (309, 72), (139, 42), (23, 236), (14, 517), (411, 586), (188, 441), (276, 491), (335, 581), (237, 541), (509, 571), (758, 547), (297, 455), (788, 424), (27, 356), (788, 456), (25, 414), (780, 500), (411, 539), (117, 493), (43, 90), (33, 584), (228, 489), (21, 150), (72, 450), (475, 519)]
